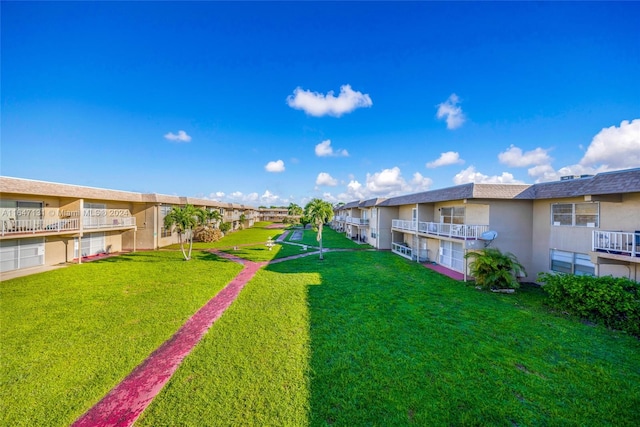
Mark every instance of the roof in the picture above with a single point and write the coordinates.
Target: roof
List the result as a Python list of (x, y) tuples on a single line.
[(10, 185), (617, 182), (370, 203)]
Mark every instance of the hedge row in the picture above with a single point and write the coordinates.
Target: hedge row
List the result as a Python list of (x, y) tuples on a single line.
[(613, 302)]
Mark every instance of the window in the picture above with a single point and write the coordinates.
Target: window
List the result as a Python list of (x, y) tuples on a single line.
[(571, 263), (374, 233), (452, 215), (575, 214), (164, 211)]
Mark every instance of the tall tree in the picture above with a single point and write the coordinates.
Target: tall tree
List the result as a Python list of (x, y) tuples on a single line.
[(318, 212), (184, 220), (295, 212)]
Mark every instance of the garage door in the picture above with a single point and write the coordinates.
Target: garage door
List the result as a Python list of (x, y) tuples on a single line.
[(21, 253)]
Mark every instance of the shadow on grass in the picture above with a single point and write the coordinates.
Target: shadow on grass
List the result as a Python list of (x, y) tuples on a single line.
[(393, 343), (156, 257)]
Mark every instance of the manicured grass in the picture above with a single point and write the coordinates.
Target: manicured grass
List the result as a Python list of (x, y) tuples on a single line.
[(68, 336), (388, 342), (250, 236), (361, 338), (331, 239), (260, 252), (251, 369)]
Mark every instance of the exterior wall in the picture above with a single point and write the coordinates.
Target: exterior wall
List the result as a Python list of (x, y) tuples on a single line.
[(426, 212), (56, 250), (385, 215), (512, 219), (548, 236), (479, 214)]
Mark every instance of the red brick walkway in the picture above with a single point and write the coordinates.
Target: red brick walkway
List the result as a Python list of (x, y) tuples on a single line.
[(123, 405)]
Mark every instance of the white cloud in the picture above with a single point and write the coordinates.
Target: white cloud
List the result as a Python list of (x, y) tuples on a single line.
[(421, 183), (324, 149), (471, 175), (514, 157), (385, 183), (451, 112), (326, 179), (615, 147), (180, 137), (269, 198), (445, 159), (277, 166), (317, 104)]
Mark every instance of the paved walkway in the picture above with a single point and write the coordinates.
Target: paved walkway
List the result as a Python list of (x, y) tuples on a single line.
[(123, 405)]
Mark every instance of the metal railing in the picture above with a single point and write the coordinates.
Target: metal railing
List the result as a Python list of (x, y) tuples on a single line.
[(357, 221), (616, 242), (108, 222), (402, 249), (461, 231), (33, 226)]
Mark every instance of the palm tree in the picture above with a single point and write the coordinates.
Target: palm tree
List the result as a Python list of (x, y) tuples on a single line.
[(214, 216), (318, 212), (185, 220), (294, 211)]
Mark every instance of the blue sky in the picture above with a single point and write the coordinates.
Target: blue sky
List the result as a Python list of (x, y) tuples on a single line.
[(271, 103)]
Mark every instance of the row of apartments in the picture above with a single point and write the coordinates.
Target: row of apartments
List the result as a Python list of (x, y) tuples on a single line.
[(580, 225), (45, 223)]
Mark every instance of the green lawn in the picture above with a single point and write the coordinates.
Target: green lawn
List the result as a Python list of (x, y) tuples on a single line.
[(250, 236), (330, 239), (366, 338), (361, 338), (69, 335)]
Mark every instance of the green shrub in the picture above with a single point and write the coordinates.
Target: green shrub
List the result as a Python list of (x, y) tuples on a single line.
[(613, 302), (225, 226), (494, 269)]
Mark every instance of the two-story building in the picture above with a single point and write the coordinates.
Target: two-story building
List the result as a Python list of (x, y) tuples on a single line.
[(582, 225), (45, 223)]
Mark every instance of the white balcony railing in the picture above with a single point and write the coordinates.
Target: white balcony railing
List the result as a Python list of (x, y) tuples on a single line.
[(460, 231), (33, 226), (402, 249), (617, 242), (90, 223), (357, 221)]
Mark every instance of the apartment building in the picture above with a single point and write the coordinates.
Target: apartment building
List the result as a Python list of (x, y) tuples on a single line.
[(581, 225), (45, 223)]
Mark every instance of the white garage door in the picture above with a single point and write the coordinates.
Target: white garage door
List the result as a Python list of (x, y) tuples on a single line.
[(21, 253)]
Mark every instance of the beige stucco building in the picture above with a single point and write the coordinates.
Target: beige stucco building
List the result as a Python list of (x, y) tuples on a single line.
[(45, 223), (581, 225)]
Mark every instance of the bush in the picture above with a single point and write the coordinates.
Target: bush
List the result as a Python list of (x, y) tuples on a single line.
[(613, 302), (207, 234), (494, 269), (225, 226)]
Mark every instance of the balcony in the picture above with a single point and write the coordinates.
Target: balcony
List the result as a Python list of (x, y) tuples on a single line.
[(101, 219), (624, 243), (39, 226), (402, 249), (457, 231), (357, 221)]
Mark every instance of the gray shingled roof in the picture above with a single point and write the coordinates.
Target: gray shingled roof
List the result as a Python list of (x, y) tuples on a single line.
[(626, 181), (371, 202), (353, 204)]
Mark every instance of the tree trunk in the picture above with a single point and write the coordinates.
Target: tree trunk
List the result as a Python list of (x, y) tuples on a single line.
[(190, 243), (182, 246)]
